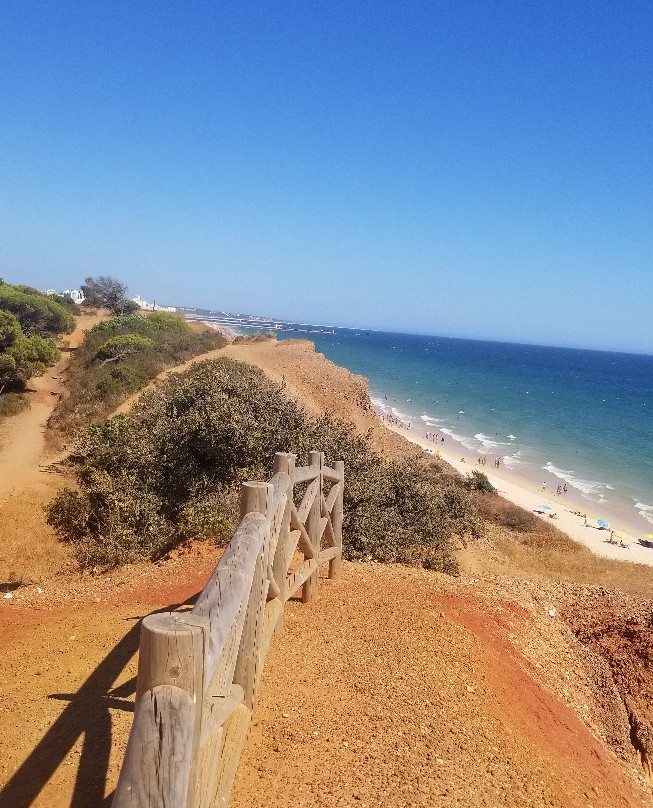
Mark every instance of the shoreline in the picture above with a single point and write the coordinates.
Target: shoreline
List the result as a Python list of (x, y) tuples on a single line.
[(522, 491)]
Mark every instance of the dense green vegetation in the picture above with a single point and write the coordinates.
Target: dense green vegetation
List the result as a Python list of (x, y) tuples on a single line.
[(118, 357), (29, 321), (171, 470)]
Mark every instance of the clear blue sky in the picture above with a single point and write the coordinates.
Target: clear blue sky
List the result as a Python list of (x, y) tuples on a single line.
[(476, 169)]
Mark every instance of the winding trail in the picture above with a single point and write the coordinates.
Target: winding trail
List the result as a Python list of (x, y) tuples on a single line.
[(22, 437)]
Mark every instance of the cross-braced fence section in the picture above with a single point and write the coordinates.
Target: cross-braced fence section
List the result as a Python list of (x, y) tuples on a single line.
[(198, 671)]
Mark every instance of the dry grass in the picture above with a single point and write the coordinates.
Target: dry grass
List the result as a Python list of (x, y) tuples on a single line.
[(554, 556), (12, 404), (501, 512), (30, 550)]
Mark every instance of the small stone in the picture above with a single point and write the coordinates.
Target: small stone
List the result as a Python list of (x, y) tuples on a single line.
[(285, 715), (551, 612)]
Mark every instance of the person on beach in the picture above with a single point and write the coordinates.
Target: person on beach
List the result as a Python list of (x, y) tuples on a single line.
[(559, 490), (564, 488), (544, 486)]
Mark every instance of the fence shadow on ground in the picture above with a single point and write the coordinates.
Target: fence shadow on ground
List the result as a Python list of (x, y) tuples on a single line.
[(87, 713)]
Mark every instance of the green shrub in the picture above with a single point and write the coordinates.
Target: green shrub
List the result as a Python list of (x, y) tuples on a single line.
[(12, 404), (118, 357), (478, 481), (37, 313), (123, 346), (22, 357), (171, 470)]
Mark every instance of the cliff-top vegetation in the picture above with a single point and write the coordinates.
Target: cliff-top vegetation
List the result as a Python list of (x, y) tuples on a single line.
[(120, 356), (170, 470), (30, 322)]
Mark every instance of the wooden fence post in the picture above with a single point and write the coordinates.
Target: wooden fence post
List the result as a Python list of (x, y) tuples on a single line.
[(283, 462), (313, 526), (336, 520), (256, 497), (172, 654)]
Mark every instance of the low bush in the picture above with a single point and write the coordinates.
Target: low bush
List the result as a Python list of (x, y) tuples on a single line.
[(12, 404), (171, 470), (478, 481), (501, 512), (120, 356)]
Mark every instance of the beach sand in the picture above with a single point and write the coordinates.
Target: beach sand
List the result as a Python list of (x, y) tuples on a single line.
[(523, 492), (320, 385)]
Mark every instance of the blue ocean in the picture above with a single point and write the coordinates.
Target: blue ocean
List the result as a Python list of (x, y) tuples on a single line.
[(580, 417)]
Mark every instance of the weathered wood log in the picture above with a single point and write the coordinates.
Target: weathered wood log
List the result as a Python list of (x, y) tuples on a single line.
[(296, 578), (233, 739), (328, 554), (313, 523), (336, 519), (248, 660), (305, 544), (258, 497), (158, 764), (305, 473), (224, 599), (333, 494), (332, 474), (308, 500), (284, 463)]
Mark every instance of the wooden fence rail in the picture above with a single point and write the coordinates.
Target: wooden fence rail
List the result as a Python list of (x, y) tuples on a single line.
[(198, 671)]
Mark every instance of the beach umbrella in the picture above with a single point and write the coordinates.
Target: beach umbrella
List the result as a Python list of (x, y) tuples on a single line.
[(544, 507), (602, 523)]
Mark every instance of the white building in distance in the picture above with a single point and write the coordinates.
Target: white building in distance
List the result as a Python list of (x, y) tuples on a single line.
[(74, 294), (144, 304)]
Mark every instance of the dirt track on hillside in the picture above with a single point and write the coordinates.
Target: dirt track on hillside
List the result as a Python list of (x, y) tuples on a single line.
[(26, 484)]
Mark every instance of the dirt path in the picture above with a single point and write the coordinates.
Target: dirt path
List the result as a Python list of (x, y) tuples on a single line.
[(438, 703), (25, 485), (22, 436)]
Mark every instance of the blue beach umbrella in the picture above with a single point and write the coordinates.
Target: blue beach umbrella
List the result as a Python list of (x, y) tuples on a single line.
[(602, 523)]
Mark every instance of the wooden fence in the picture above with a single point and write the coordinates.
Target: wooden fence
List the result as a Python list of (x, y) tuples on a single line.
[(198, 671)]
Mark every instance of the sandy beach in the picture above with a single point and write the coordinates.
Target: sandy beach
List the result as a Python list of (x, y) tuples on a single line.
[(523, 492)]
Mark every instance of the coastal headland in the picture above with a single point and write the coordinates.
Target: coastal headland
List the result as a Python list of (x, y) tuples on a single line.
[(523, 681)]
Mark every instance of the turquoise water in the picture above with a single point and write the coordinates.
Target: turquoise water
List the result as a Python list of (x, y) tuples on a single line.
[(556, 414)]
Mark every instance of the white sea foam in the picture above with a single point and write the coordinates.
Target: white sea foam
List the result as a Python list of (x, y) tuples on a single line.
[(430, 420), (461, 412), (488, 443), (511, 437), (512, 460), (645, 511), (585, 486), (458, 438), (399, 414)]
